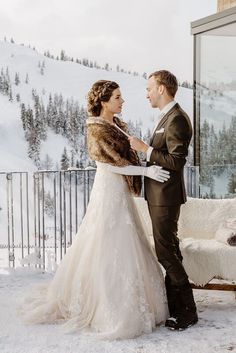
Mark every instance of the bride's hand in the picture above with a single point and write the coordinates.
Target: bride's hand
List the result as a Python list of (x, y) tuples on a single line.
[(157, 173)]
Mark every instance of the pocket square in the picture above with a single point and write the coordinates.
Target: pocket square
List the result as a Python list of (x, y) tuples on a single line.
[(160, 131)]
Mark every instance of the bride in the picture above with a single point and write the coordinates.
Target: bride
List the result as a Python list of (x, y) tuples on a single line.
[(109, 283)]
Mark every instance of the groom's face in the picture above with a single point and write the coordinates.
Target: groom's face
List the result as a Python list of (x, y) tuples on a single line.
[(153, 94)]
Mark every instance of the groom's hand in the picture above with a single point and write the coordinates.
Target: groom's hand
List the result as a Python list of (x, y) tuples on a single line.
[(138, 145)]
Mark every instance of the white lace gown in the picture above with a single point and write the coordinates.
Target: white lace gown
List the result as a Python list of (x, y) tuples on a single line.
[(109, 283)]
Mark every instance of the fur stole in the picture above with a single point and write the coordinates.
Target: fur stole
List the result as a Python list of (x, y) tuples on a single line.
[(108, 145)]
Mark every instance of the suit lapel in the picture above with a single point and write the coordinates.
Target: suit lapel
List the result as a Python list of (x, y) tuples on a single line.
[(163, 121)]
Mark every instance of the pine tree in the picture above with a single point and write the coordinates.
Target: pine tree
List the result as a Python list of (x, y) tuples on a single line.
[(42, 113), (204, 142), (6, 82), (34, 147), (17, 79), (27, 79), (10, 95), (85, 62), (82, 143), (72, 158), (213, 155), (1, 84), (47, 163), (49, 111), (232, 184), (63, 55), (49, 204), (206, 177), (74, 128), (64, 160), (23, 116), (29, 119), (223, 145), (232, 140), (145, 75), (39, 121)]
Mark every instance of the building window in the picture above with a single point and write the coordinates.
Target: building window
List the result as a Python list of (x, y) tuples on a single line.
[(215, 108)]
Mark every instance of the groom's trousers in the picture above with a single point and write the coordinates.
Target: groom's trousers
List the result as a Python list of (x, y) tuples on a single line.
[(165, 226)]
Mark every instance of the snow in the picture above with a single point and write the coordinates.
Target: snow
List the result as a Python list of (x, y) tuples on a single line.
[(217, 109), (215, 331)]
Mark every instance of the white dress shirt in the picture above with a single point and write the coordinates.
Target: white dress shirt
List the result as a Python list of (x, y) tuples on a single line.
[(163, 112)]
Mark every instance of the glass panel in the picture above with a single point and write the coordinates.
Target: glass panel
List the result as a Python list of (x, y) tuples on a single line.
[(216, 111)]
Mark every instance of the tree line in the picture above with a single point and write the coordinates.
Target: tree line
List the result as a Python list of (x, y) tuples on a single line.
[(218, 154)]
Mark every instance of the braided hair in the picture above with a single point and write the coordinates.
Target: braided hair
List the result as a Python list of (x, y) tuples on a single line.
[(101, 91)]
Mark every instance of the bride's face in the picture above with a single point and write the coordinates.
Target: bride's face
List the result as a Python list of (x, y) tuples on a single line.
[(114, 105)]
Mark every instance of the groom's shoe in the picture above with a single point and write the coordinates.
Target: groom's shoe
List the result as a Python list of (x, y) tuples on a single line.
[(186, 313), (182, 321)]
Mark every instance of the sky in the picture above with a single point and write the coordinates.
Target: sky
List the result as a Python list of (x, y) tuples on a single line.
[(139, 35)]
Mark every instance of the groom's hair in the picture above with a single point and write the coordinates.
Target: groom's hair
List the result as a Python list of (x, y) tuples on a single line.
[(167, 79)]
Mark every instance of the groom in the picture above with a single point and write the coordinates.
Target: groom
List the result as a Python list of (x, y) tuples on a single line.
[(168, 149)]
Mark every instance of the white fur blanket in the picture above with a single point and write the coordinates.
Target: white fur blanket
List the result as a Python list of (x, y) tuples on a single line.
[(205, 259), (204, 256), (226, 233)]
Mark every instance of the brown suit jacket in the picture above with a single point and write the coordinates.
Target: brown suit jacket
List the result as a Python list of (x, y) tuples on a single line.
[(170, 151)]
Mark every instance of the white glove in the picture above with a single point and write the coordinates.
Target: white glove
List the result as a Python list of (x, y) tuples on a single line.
[(153, 172), (157, 173)]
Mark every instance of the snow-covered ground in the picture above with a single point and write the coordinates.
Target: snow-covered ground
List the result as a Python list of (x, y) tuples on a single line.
[(215, 331)]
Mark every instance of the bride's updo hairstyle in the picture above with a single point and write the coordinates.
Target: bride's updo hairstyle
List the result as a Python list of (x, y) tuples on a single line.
[(101, 91)]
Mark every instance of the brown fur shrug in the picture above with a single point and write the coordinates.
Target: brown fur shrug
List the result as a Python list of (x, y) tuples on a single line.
[(108, 145)]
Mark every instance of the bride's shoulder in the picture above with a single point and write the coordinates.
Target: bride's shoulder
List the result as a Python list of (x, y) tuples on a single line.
[(100, 129), (91, 120), (96, 124), (98, 121)]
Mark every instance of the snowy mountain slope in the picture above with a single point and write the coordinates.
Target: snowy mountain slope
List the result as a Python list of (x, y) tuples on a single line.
[(71, 80)]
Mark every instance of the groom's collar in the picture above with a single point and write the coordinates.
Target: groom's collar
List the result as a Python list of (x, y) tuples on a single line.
[(167, 108)]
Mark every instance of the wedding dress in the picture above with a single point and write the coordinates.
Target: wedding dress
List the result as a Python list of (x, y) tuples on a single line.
[(109, 283)]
